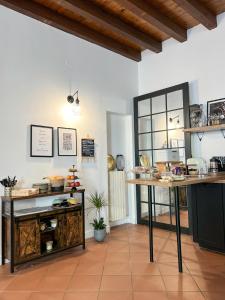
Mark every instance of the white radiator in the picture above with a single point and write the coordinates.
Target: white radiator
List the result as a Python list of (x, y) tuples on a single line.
[(117, 195)]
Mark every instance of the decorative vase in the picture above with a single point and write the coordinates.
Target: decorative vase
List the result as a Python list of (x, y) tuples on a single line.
[(100, 234), (111, 162), (8, 191), (120, 162)]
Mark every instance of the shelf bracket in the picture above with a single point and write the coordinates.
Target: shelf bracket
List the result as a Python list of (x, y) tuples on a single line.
[(223, 132), (200, 135)]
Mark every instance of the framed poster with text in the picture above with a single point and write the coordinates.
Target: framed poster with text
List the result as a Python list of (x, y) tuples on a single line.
[(41, 141), (67, 141)]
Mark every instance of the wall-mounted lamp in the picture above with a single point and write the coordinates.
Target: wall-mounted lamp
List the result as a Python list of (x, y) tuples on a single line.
[(71, 100), (176, 117)]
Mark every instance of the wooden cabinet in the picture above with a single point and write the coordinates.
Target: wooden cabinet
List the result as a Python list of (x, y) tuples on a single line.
[(26, 232), (73, 228), (27, 240), (60, 230), (208, 214)]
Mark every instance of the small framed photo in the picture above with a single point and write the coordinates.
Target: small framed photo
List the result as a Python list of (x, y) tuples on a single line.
[(67, 141), (216, 112), (174, 143), (41, 141)]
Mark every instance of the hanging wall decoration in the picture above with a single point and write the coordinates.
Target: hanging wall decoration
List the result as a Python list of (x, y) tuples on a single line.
[(41, 141), (88, 148), (67, 141)]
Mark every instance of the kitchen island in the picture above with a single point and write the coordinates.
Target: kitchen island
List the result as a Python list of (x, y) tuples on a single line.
[(189, 181)]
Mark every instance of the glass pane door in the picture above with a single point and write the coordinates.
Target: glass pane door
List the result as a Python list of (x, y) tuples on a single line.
[(159, 122)]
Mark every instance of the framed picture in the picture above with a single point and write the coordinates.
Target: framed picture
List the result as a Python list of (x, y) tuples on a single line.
[(67, 141), (216, 112), (41, 141)]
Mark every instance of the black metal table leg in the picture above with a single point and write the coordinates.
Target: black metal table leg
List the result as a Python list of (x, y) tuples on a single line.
[(3, 235), (12, 239), (150, 222), (83, 215), (178, 231)]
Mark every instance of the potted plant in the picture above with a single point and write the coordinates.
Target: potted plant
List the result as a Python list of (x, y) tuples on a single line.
[(98, 202)]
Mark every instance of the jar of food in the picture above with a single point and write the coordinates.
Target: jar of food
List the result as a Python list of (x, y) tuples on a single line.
[(53, 223), (57, 183), (49, 246)]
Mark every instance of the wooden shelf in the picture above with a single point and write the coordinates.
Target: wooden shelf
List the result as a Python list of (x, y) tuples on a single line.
[(49, 229), (49, 194), (205, 128)]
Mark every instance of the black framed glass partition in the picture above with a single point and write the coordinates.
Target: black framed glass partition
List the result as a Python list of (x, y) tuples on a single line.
[(159, 120)]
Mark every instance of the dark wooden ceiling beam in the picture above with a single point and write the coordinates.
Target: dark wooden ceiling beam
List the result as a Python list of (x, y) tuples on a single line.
[(154, 17), (92, 12), (199, 12), (48, 16)]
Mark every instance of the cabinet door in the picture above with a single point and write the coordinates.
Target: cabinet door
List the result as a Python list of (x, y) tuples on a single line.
[(73, 228), (60, 230), (210, 216), (27, 240)]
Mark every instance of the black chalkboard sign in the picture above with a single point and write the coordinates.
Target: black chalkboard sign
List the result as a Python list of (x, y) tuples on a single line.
[(88, 147)]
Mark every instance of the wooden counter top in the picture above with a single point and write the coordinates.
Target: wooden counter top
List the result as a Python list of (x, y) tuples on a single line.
[(49, 194), (219, 178)]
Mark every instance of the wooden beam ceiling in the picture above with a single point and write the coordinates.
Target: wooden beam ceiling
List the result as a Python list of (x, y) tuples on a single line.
[(199, 12), (154, 17), (94, 13), (57, 20), (126, 27)]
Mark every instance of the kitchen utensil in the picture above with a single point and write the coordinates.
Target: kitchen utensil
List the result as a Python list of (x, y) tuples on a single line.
[(214, 165)]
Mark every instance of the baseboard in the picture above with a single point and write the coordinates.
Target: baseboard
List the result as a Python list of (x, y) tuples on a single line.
[(120, 222)]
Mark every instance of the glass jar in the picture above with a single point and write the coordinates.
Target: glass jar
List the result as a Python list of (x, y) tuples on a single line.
[(120, 162)]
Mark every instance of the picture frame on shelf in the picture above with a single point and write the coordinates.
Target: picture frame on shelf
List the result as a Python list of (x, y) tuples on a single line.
[(41, 141), (67, 141), (216, 112)]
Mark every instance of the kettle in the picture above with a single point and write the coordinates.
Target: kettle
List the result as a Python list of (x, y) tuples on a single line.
[(214, 166)]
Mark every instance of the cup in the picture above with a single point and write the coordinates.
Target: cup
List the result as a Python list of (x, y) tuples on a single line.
[(49, 246), (53, 223)]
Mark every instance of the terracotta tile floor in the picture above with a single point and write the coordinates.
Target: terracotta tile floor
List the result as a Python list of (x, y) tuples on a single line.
[(119, 269)]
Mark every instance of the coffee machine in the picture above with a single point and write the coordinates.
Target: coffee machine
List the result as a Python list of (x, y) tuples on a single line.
[(217, 164)]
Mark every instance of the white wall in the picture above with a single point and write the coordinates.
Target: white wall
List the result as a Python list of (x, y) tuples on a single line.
[(36, 65), (201, 62), (120, 141)]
